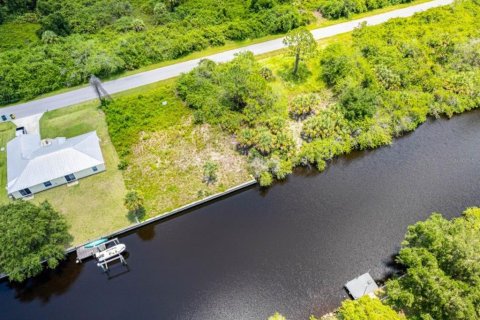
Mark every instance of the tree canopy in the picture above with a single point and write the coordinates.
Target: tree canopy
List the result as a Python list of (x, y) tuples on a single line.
[(29, 235), (442, 261), (367, 308), (301, 44)]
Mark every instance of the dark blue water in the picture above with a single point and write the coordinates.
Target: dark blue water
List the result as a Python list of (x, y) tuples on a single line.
[(288, 249)]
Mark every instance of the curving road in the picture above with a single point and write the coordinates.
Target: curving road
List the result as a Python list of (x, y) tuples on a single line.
[(85, 94)]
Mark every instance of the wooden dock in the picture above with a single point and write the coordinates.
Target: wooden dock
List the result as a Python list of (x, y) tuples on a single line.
[(85, 253)]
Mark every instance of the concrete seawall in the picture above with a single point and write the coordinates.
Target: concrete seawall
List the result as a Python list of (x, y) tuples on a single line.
[(166, 215), (172, 213)]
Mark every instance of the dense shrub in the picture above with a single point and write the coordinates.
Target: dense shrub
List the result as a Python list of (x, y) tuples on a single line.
[(304, 105), (358, 103), (327, 123), (334, 9), (220, 93), (367, 308), (442, 261)]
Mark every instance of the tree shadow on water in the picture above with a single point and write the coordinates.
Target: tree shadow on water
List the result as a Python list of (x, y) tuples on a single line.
[(146, 233), (49, 283)]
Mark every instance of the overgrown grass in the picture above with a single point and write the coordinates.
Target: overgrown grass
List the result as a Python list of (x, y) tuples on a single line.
[(7, 132), (165, 151), (18, 35), (94, 207)]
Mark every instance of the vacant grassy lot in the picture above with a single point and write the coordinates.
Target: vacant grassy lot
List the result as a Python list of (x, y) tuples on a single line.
[(94, 207), (165, 151)]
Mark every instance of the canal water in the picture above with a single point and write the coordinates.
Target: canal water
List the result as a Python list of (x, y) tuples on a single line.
[(288, 249)]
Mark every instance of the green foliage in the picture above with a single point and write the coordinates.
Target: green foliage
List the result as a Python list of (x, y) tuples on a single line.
[(304, 105), (128, 116), (49, 37), (210, 169), (276, 316), (133, 201), (107, 33), (265, 179), (366, 308), (319, 151), (358, 103), (125, 24), (337, 63), (18, 35), (29, 235), (326, 124), (228, 93), (442, 260), (301, 44), (334, 9)]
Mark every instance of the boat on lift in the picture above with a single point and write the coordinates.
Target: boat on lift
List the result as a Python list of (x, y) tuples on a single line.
[(110, 252)]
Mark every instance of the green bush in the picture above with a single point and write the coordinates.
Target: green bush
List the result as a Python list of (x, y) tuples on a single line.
[(345, 8), (367, 308), (29, 236), (304, 105), (358, 103), (326, 123), (442, 261), (210, 169), (221, 93), (265, 179)]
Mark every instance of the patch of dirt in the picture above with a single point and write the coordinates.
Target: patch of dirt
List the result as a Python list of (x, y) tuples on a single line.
[(296, 129)]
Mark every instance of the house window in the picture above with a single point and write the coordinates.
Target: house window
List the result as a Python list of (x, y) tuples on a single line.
[(70, 177), (95, 169), (47, 184), (25, 192)]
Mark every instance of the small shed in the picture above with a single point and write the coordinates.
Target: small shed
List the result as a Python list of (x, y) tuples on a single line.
[(361, 286)]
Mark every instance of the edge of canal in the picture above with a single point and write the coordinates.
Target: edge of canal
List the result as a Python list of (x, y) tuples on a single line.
[(165, 215), (168, 214)]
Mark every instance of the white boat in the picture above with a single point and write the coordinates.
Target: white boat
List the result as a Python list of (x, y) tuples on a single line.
[(110, 252)]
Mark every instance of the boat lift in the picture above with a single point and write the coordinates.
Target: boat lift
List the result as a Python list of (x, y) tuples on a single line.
[(111, 253), (104, 251)]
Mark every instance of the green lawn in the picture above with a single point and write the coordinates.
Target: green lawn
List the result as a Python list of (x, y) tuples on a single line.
[(94, 207), (7, 132)]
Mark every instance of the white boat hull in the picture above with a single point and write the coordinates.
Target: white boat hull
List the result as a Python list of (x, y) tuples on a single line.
[(110, 252)]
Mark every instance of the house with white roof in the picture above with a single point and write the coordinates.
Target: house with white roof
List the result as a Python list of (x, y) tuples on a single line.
[(34, 165)]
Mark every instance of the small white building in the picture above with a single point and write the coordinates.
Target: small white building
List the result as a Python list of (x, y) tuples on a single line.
[(34, 165)]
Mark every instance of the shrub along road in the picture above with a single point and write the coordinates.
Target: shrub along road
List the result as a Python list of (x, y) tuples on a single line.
[(85, 94)]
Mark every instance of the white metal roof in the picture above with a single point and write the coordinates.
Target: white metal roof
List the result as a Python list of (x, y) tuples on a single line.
[(30, 163), (361, 286)]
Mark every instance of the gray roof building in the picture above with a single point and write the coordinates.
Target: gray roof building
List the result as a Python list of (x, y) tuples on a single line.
[(32, 162)]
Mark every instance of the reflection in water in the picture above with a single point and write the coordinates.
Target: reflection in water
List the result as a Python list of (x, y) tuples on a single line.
[(146, 233), (49, 283)]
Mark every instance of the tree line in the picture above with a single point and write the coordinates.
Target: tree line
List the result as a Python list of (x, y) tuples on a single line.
[(106, 37), (384, 82)]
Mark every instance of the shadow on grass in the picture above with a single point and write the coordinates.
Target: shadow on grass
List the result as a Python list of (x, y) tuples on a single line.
[(136, 215), (286, 73)]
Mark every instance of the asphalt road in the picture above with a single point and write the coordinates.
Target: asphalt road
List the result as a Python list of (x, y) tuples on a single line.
[(140, 79)]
